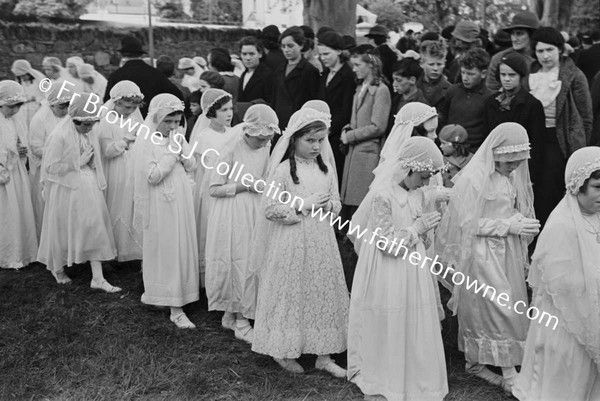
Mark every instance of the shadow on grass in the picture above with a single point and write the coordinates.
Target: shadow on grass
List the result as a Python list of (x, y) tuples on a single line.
[(73, 343)]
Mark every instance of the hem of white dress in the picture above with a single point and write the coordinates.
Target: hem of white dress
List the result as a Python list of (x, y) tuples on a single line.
[(174, 302), (17, 265), (505, 353), (368, 388)]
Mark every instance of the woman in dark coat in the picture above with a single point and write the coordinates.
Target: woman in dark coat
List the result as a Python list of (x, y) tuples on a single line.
[(339, 84), (563, 91), (297, 81), (256, 81), (514, 103)]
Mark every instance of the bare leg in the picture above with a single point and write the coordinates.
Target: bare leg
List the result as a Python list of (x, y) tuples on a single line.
[(98, 280), (324, 362)]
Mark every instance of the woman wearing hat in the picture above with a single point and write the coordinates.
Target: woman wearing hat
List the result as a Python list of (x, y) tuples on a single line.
[(562, 89), (523, 26), (514, 103), (18, 240), (338, 84)]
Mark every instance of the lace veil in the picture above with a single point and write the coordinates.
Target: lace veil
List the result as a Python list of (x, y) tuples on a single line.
[(565, 261), (473, 187)]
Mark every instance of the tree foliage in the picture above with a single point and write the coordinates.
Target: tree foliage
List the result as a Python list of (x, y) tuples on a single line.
[(337, 14), (44, 9), (217, 11), (389, 14), (170, 9)]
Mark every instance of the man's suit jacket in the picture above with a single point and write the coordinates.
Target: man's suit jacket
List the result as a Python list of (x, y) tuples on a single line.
[(150, 80)]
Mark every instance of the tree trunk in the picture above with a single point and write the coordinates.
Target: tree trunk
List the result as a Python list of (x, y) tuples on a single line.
[(552, 12), (337, 14)]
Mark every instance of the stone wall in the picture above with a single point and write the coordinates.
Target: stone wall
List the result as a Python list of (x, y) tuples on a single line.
[(97, 44)]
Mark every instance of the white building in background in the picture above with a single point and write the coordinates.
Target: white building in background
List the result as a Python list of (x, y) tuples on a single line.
[(257, 14)]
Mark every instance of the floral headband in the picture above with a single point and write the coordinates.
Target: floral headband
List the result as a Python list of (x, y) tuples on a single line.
[(308, 116), (254, 129), (13, 100), (215, 100), (420, 118), (416, 165), (580, 175), (512, 153)]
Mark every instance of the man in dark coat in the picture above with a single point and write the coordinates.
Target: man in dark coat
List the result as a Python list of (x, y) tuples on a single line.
[(589, 60), (150, 80)]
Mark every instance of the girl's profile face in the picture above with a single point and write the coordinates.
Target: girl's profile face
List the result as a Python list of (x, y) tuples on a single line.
[(225, 114), (506, 168), (204, 85), (417, 179), (168, 124), (72, 68), (360, 68), (291, 50), (430, 127), (309, 145), (446, 147)]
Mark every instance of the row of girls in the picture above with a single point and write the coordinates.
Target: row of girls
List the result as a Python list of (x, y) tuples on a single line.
[(291, 282)]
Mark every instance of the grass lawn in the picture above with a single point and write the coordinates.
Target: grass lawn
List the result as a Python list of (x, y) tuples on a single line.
[(73, 343)]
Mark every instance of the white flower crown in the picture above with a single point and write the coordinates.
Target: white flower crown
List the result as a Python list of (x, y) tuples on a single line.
[(580, 175)]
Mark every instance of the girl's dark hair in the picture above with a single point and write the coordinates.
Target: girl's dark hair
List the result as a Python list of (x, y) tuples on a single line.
[(291, 150), (461, 149), (212, 110), (27, 77), (367, 56), (220, 59), (419, 130), (297, 36), (594, 176), (252, 41), (177, 113)]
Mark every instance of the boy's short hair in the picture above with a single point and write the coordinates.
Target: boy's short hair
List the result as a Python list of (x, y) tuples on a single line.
[(475, 58), (433, 48), (408, 67)]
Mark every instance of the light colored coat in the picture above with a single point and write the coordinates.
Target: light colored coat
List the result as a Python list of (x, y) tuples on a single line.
[(370, 112)]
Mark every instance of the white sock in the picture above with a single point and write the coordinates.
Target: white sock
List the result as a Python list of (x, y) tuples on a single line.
[(97, 274), (176, 311), (509, 373), (241, 323)]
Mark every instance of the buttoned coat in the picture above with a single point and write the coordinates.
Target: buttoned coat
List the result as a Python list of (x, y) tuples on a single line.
[(370, 112), (574, 113), (291, 91), (151, 81), (339, 95), (259, 86)]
